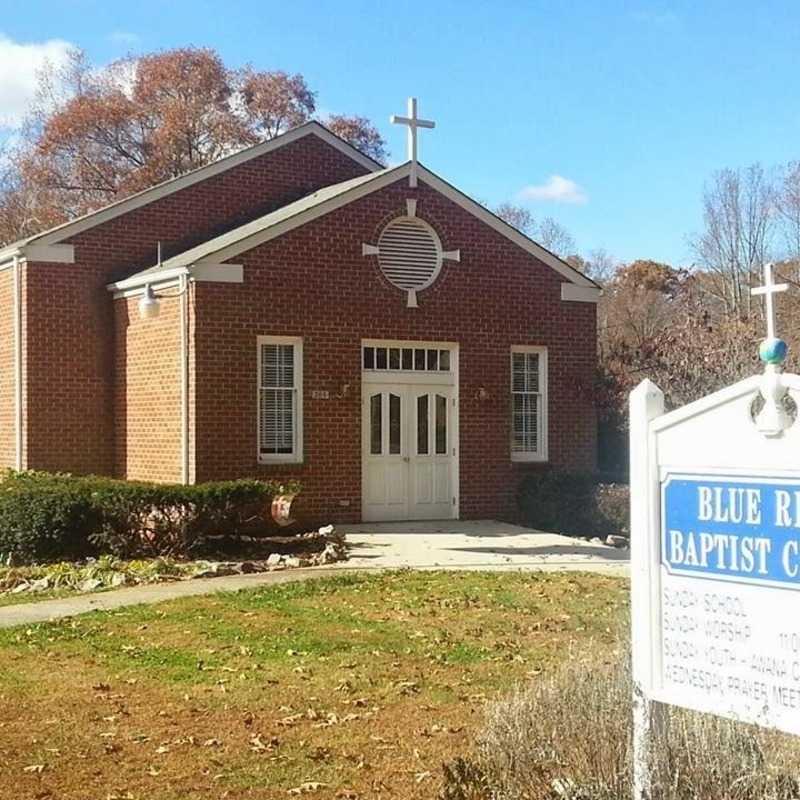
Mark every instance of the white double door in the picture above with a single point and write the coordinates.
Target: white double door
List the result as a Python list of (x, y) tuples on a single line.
[(409, 449)]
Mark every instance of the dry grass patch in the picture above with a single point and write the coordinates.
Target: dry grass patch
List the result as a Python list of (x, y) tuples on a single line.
[(346, 687)]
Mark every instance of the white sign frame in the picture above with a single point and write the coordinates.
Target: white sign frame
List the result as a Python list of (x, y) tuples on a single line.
[(714, 436)]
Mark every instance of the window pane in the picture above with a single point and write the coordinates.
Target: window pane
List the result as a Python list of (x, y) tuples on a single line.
[(433, 359), (394, 358), (408, 358), (441, 425), (369, 358), (380, 357), (518, 372), (419, 359), (394, 424), (533, 372), (277, 366), (444, 360), (422, 425), (277, 421), (525, 434), (375, 425)]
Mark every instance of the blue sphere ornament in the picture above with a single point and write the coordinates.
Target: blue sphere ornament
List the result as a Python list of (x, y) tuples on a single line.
[(772, 351)]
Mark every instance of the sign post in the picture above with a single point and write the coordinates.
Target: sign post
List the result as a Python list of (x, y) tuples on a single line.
[(715, 552)]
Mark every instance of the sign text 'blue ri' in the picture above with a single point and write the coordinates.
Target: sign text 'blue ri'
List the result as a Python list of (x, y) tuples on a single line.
[(742, 528)]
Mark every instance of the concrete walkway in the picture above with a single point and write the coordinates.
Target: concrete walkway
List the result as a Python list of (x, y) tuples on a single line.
[(477, 545), (484, 545)]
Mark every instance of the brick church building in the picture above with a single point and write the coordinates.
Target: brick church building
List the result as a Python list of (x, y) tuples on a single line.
[(298, 310)]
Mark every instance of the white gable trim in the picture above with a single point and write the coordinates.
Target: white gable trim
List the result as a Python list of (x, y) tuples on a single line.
[(213, 273), (56, 253), (510, 232), (303, 217), (442, 187), (580, 294), (168, 187)]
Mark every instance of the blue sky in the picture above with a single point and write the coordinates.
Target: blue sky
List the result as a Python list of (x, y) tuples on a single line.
[(631, 105)]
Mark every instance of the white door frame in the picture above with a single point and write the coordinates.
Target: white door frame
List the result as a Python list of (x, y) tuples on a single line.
[(376, 378)]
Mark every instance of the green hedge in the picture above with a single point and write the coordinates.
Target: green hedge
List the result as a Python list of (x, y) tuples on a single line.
[(46, 516), (574, 503)]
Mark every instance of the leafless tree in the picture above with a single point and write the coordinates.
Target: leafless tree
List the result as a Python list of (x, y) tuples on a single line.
[(555, 237), (549, 233), (739, 215)]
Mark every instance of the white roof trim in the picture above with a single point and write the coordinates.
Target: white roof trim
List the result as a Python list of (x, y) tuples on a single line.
[(510, 232), (213, 273), (385, 179), (143, 279), (172, 185), (580, 294), (301, 218)]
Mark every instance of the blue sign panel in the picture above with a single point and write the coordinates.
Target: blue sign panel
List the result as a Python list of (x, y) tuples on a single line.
[(744, 529)]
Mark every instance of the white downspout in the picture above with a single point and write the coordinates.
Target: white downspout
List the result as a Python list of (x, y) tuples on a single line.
[(17, 364), (184, 287)]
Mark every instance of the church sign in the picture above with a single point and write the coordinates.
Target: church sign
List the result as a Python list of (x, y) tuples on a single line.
[(715, 559)]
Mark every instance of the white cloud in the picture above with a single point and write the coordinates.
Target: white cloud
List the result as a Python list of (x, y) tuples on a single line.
[(19, 66), (556, 189), (127, 38)]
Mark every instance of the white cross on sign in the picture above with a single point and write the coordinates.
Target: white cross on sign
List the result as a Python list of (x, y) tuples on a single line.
[(413, 122), (768, 290)]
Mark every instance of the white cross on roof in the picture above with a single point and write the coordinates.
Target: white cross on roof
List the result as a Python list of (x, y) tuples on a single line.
[(769, 289), (413, 122)]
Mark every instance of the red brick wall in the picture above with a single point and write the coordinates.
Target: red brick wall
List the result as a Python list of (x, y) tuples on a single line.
[(70, 322), (147, 391), (8, 449), (314, 283)]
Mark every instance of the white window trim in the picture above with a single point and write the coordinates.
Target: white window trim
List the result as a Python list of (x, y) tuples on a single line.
[(541, 454), (296, 456)]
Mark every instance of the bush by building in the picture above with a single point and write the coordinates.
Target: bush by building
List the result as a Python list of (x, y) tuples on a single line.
[(47, 516), (576, 504)]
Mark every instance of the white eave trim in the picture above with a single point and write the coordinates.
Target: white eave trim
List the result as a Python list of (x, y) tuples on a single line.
[(580, 294), (172, 185), (575, 278), (213, 273), (51, 253)]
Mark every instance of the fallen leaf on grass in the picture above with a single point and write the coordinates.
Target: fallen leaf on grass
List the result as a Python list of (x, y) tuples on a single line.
[(307, 788)]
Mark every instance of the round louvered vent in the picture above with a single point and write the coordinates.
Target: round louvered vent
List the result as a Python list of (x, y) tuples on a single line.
[(409, 253)]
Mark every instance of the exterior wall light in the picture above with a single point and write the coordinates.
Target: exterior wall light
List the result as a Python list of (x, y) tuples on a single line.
[(149, 304)]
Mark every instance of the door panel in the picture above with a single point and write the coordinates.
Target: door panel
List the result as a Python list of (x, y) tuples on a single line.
[(408, 452), (431, 463)]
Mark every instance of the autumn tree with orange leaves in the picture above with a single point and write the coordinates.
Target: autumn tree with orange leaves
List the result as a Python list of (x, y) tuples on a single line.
[(96, 135)]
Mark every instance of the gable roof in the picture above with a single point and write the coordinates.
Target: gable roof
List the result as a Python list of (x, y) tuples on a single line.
[(270, 226), (72, 227)]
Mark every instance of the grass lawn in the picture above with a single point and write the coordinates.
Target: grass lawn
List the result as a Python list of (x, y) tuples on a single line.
[(346, 687)]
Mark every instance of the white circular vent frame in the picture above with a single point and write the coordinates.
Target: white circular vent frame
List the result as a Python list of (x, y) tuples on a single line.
[(410, 253)]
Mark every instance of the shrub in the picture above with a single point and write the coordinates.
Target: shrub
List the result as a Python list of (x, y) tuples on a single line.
[(574, 503), (48, 516), (569, 737)]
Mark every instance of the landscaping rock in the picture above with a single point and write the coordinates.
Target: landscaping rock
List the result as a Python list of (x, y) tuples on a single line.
[(274, 559), (39, 585), (616, 540), (90, 584), (291, 561)]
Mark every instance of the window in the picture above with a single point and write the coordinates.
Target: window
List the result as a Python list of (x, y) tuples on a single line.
[(416, 359), (529, 404), (280, 399)]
